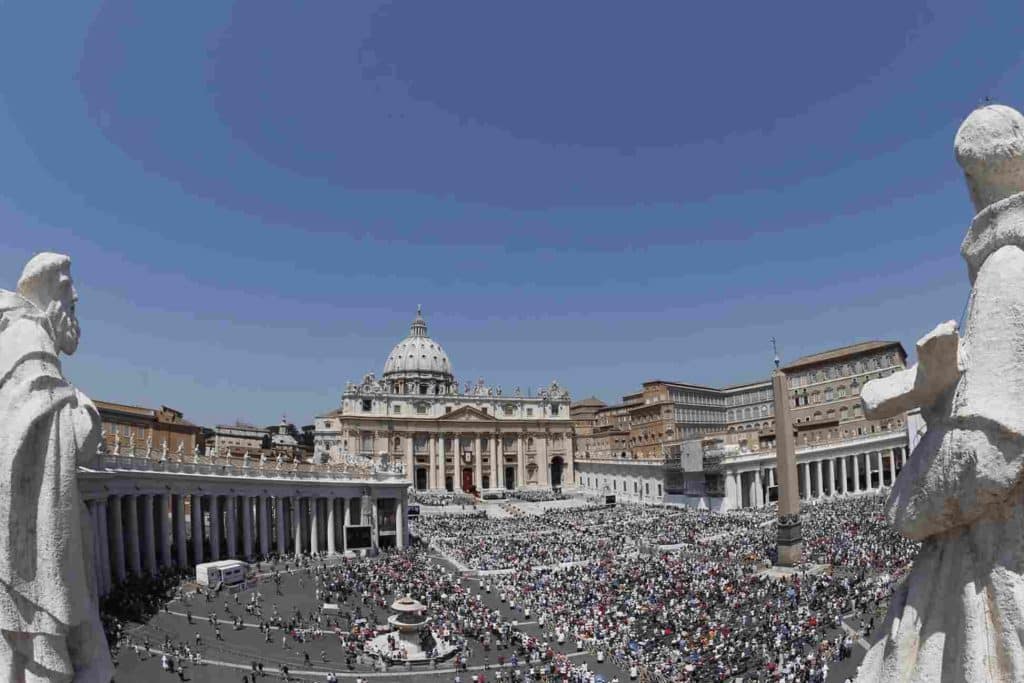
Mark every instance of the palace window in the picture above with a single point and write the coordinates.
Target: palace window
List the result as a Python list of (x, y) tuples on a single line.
[(529, 412), (421, 409), (397, 410)]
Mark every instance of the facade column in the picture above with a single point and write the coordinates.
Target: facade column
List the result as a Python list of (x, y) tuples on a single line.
[(830, 465), (432, 471), (843, 485), (758, 486), (134, 555), (817, 479), (106, 579), (457, 463), (214, 528), (180, 547), (282, 545), (410, 460), (807, 480), (441, 465), (881, 468), (297, 524), (495, 449), (197, 528), (520, 462), (163, 507), (331, 529), (314, 525), (478, 464), (543, 471), (149, 534), (115, 532), (892, 466), (247, 526), (856, 473)]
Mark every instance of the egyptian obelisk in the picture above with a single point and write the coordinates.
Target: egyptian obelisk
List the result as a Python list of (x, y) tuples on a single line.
[(790, 534)]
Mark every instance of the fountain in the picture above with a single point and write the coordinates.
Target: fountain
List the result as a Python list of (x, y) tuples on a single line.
[(412, 640)]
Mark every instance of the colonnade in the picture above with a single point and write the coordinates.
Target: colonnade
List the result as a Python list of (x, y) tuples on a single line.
[(143, 533), (820, 477)]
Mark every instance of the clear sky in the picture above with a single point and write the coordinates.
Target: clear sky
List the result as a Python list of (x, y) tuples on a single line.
[(257, 195)]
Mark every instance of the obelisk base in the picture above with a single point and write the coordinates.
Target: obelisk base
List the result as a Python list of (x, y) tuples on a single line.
[(790, 541)]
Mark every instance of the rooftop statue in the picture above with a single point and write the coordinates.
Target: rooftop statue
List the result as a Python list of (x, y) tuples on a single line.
[(959, 615), (49, 617)]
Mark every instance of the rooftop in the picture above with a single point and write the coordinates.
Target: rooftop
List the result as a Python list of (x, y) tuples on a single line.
[(844, 351)]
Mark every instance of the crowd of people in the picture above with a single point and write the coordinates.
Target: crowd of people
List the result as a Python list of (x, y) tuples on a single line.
[(707, 610), (666, 594)]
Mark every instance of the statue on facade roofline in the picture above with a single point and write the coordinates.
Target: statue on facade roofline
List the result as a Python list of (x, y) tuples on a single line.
[(117, 444), (959, 614), (49, 611), (181, 449)]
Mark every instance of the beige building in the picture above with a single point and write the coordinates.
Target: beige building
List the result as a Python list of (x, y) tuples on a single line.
[(474, 438), (128, 427), (838, 450)]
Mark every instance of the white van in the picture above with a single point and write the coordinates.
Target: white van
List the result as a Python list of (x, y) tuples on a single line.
[(228, 572)]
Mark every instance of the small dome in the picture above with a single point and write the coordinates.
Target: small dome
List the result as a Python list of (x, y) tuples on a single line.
[(418, 355), (990, 149)]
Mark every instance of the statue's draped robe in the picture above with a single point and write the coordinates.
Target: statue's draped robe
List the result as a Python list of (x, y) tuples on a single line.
[(959, 615), (48, 603)]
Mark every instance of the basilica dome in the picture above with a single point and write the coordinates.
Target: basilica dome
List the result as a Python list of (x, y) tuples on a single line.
[(418, 357)]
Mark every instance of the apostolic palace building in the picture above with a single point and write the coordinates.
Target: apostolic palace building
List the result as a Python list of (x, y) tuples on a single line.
[(476, 438)]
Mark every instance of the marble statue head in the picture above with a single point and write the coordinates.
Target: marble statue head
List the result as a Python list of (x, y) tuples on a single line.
[(46, 283), (989, 147)]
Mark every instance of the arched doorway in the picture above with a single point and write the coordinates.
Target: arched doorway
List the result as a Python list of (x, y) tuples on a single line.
[(556, 471), (467, 479), (448, 484), (421, 478), (510, 476)]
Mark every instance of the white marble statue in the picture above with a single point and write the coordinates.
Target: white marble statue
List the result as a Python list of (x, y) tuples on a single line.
[(959, 615), (117, 444), (181, 450), (163, 449), (131, 445), (195, 454), (149, 446), (49, 620)]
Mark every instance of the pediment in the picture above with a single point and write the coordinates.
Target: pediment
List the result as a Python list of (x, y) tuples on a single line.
[(467, 414)]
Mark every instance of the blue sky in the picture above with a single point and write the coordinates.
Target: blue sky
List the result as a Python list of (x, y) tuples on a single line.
[(257, 195)]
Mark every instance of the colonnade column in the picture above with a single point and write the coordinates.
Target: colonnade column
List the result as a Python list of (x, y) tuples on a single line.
[(374, 521), (843, 486), (214, 528), (314, 525), (856, 473), (758, 491), (297, 524), (116, 533), (478, 464), (247, 526), (817, 479), (807, 480), (263, 518), (892, 466), (163, 508), (831, 466), (282, 547), (197, 528), (331, 529), (400, 521), (149, 534), (344, 523), (231, 525), (107, 580), (180, 549), (134, 556)]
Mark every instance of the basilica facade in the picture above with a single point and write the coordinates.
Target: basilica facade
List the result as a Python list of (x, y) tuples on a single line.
[(474, 438)]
